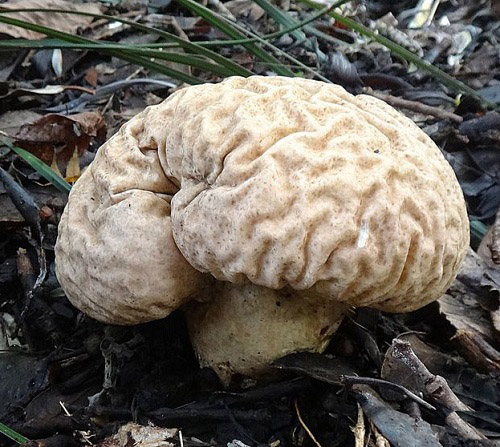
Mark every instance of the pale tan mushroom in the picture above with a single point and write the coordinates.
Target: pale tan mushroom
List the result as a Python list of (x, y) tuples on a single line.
[(299, 198)]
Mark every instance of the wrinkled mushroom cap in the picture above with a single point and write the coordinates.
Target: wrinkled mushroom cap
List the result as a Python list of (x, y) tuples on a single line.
[(297, 183), (277, 182), (115, 255)]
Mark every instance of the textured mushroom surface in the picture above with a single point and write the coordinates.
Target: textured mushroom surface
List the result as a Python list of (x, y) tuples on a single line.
[(291, 182), (276, 182), (115, 255)]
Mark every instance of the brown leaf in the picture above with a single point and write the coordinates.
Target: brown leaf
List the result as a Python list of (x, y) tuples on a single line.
[(466, 313), (399, 428), (68, 23), (245, 8), (477, 351), (55, 138), (489, 249), (11, 122), (91, 76)]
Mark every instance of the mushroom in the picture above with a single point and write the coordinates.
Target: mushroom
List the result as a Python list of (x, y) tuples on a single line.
[(265, 207)]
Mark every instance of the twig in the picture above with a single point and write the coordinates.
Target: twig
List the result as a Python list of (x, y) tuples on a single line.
[(81, 101), (415, 106), (359, 429), (304, 424), (259, 416), (351, 380), (495, 240), (477, 351), (437, 388), (380, 440)]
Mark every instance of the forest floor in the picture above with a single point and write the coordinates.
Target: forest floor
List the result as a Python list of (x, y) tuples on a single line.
[(425, 378)]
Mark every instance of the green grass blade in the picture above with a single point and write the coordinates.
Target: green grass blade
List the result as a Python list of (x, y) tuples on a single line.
[(230, 29), (284, 54), (402, 52), (185, 59), (13, 435), (286, 20), (39, 166), (57, 43), (235, 68), (241, 31), (478, 229), (138, 60), (281, 18)]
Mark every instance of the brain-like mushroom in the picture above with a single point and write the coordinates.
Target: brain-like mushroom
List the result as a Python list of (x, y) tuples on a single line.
[(272, 205)]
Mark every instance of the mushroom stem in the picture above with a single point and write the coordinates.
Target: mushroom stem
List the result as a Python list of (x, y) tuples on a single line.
[(244, 328)]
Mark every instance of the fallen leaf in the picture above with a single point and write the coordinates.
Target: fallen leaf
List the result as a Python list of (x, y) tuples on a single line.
[(47, 90), (399, 428), (466, 313), (489, 248), (141, 436), (91, 76), (478, 352), (55, 138), (245, 8), (22, 376), (68, 23), (11, 122)]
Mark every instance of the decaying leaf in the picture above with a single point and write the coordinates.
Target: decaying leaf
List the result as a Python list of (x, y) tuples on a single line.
[(11, 122), (489, 249), (402, 366), (466, 313), (472, 303), (141, 436), (495, 318), (47, 90), (478, 351), (245, 8), (56, 138), (398, 428), (22, 377), (69, 23)]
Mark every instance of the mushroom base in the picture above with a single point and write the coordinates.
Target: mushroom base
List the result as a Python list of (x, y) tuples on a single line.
[(244, 328)]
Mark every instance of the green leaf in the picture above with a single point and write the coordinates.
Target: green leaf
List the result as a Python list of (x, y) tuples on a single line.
[(39, 166), (13, 435)]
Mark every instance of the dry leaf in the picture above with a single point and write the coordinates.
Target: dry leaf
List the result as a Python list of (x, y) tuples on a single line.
[(141, 436), (91, 76), (11, 122), (245, 8), (68, 23), (55, 138), (466, 313), (489, 249)]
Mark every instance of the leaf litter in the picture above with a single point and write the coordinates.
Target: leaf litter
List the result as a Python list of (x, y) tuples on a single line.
[(68, 380)]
